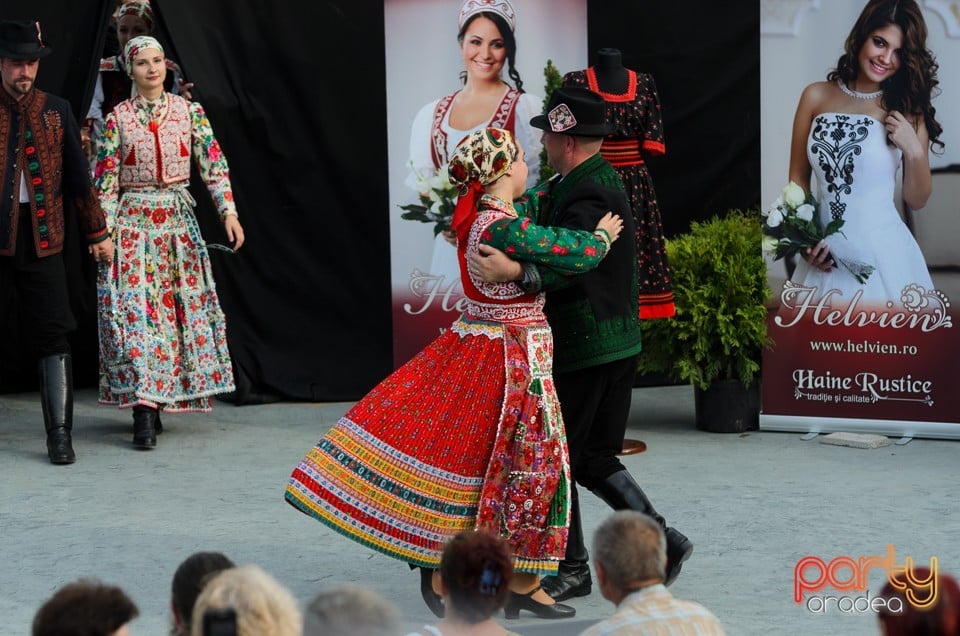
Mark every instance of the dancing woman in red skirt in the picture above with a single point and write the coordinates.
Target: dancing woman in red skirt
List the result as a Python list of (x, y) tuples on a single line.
[(468, 433)]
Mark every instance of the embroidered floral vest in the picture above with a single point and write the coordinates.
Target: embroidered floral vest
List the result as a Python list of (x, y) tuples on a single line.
[(154, 152)]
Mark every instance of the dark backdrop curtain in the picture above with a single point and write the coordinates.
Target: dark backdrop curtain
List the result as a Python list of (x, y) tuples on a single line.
[(705, 58), (295, 91)]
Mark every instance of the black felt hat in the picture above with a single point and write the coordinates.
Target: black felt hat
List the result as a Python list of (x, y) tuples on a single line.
[(21, 40), (574, 110)]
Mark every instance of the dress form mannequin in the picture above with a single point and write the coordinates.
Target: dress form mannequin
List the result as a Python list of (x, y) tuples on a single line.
[(633, 109), (611, 74)]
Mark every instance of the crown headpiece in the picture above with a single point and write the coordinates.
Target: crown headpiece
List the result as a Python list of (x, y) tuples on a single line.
[(501, 7)]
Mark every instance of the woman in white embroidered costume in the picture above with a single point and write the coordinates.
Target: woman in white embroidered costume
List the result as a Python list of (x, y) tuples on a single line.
[(468, 433), (487, 44), (162, 332), (854, 131), (133, 18)]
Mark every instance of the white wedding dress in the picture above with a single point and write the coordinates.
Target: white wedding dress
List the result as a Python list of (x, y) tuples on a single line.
[(855, 171)]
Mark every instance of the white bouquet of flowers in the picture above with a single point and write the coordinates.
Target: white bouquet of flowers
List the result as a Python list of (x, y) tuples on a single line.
[(791, 225), (437, 197)]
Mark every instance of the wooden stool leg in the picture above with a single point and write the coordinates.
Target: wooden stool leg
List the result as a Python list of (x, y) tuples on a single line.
[(632, 446)]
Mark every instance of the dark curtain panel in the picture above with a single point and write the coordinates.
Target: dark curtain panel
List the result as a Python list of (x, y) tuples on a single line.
[(295, 91), (705, 58)]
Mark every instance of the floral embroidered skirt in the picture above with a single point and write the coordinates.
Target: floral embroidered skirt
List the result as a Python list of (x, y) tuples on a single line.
[(162, 333), (466, 435)]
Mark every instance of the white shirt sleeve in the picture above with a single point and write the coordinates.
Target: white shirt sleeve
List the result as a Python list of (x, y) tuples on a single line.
[(421, 157), (529, 106)]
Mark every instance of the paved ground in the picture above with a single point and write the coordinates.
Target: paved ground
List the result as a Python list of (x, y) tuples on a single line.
[(754, 505)]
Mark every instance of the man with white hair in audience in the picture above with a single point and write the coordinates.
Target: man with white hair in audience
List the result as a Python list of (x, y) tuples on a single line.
[(629, 554)]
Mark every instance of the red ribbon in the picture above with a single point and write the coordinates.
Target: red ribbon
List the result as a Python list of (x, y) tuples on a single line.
[(466, 205)]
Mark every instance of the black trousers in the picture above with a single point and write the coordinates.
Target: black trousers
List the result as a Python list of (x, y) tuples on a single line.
[(41, 288), (595, 403)]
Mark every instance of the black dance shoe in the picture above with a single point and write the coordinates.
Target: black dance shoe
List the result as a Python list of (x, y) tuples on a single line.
[(517, 602), (433, 600)]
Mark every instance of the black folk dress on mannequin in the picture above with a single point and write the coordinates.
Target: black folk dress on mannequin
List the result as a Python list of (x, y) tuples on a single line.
[(633, 111)]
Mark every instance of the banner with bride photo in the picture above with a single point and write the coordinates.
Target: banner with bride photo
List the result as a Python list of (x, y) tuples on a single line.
[(437, 92), (864, 324)]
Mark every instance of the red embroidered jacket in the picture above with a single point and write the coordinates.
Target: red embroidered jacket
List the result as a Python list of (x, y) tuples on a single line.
[(40, 138)]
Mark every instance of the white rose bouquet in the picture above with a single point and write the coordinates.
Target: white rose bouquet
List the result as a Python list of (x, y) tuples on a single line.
[(437, 196), (791, 225)]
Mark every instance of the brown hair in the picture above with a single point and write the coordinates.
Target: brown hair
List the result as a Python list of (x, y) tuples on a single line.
[(84, 608), (911, 89), (476, 570)]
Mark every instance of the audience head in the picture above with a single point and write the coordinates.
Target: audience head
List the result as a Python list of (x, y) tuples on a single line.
[(628, 549), (188, 581), (263, 607), (85, 608), (350, 610), (898, 617), (475, 573)]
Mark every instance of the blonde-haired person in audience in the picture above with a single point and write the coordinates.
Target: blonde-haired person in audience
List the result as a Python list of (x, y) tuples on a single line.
[(350, 610), (630, 556), (263, 606)]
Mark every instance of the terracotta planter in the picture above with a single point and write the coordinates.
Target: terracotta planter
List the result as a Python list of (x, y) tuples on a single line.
[(727, 407)]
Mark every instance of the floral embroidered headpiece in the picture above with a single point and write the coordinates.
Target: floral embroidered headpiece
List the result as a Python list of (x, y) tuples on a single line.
[(481, 158), (138, 8), (134, 46), (501, 7)]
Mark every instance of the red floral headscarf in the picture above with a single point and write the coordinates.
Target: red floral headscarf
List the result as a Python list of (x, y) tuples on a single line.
[(479, 160)]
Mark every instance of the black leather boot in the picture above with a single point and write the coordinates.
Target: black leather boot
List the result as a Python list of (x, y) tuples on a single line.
[(621, 492), (144, 427), (573, 576), (56, 396)]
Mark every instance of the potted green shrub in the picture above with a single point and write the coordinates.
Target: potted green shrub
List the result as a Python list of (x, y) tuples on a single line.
[(716, 339)]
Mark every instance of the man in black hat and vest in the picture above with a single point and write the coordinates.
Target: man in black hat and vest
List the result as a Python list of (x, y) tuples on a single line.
[(42, 161), (595, 323)]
